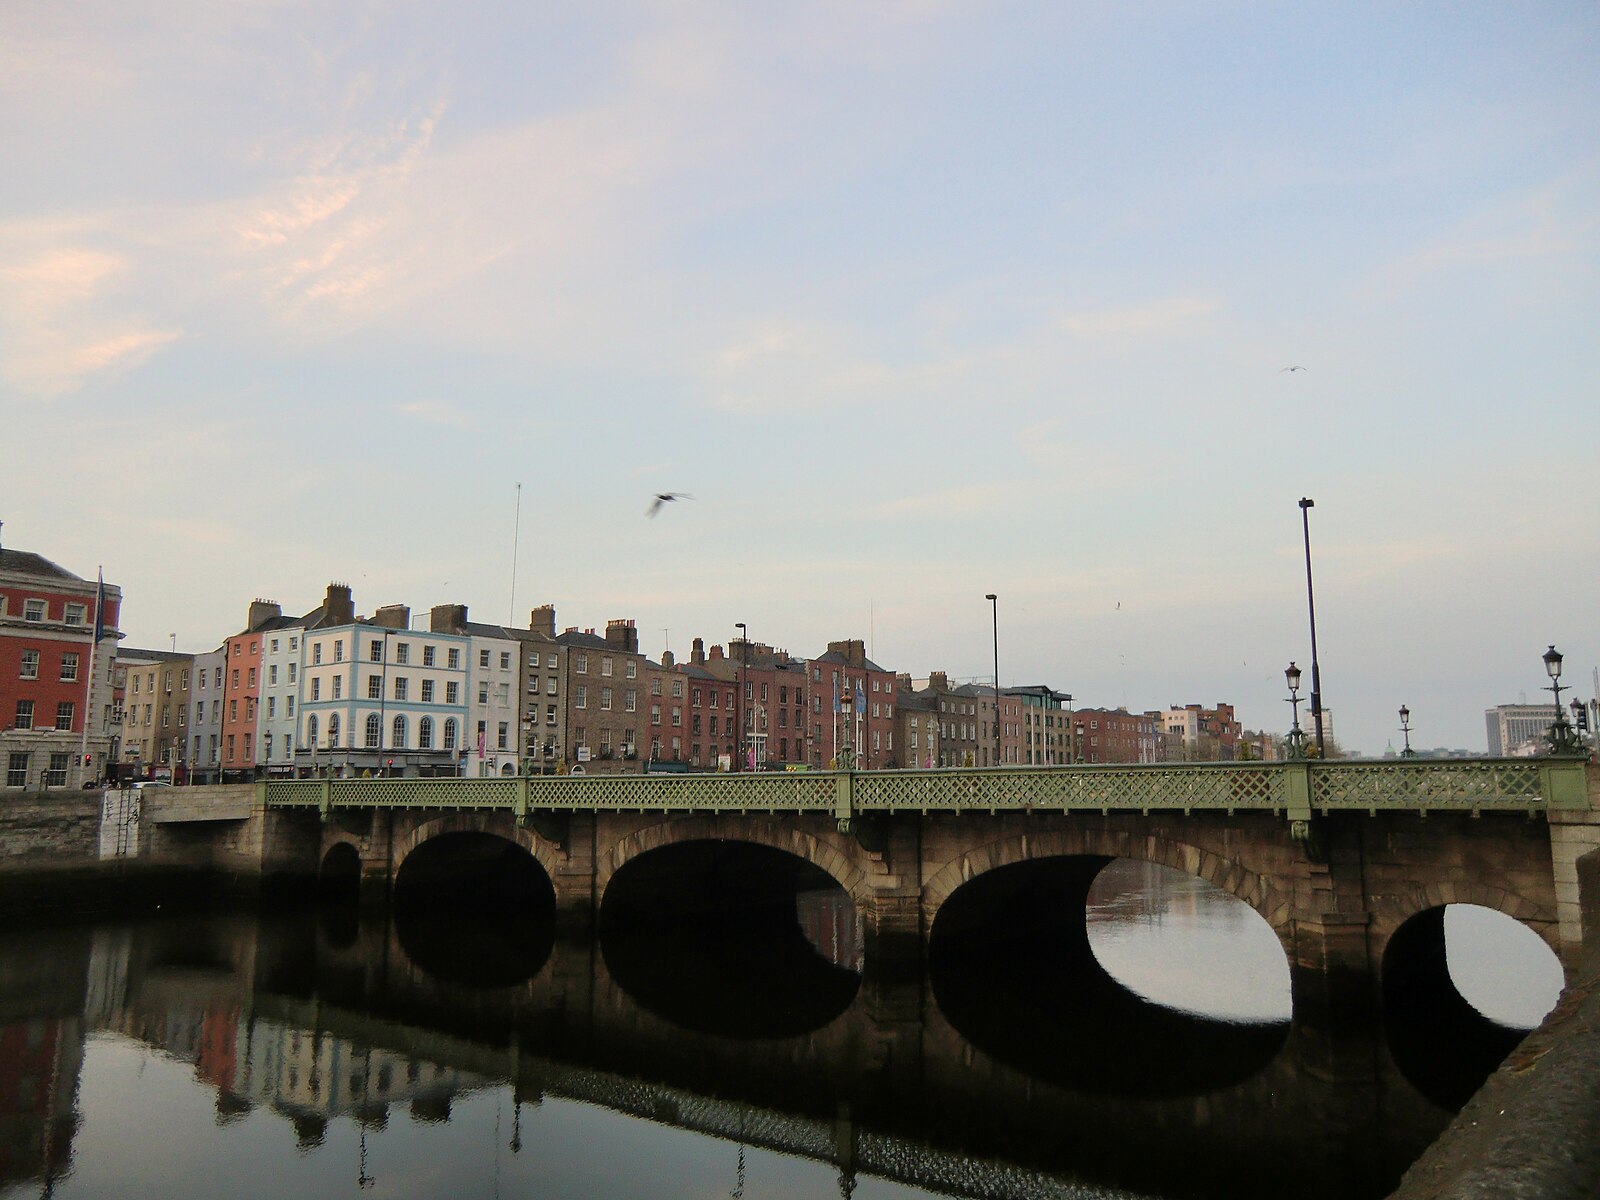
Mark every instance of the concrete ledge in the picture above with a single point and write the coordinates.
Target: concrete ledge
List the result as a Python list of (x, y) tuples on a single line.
[(1533, 1129), (178, 814)]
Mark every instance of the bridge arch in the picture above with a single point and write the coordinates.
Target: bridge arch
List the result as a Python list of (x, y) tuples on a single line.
[(1394, 909), (546, 854), (1258, 891), (830, 854)]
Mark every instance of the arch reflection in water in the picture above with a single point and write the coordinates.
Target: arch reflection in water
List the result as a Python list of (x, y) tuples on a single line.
[(1444, 1040), (1183, 943), (731, 938), (1012, 968), (475, 909)]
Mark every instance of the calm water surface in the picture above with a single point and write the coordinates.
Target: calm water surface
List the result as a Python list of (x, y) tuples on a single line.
[(1143, 1045)]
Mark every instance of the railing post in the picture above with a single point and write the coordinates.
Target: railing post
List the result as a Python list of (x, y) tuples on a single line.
[(843, 799), (325, 799), (1298, 798), (1564, 784), (519, 804)]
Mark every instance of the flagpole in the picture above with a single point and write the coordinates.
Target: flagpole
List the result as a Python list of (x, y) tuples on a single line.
[(88, 683)]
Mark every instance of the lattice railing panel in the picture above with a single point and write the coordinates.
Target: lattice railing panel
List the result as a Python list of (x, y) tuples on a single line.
[(1439, 783), (1118, 787), (755, 792), (295, 792)]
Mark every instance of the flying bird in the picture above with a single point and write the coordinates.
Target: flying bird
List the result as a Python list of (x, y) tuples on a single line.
[(665, 498), (1291, 369)]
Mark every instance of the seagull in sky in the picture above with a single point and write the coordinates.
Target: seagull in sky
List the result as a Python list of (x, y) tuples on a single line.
[(665, 498), (1291, 369)]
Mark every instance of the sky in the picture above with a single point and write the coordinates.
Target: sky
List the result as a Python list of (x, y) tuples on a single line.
[(917, 300)]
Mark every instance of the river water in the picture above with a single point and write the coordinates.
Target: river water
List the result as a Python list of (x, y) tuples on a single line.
[(1149, 1049)]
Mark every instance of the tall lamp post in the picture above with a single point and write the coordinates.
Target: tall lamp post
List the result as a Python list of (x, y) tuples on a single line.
[(744, 670), (1295, 745), (1561, 737), (1405, 728), (1311, 604), (994, 624)]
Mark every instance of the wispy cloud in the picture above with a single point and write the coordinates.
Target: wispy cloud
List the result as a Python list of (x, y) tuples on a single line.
[(1157, 319), (435, 412)]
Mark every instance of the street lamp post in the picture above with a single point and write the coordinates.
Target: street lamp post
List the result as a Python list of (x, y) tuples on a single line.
[(1405, 728), (1295, 746), (1311, 605), (994, 624), (1561, 737), (738, 693)]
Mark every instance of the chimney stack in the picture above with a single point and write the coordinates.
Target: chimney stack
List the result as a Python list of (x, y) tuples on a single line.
[(854, 651), (667, 661), (939, 681), (393, 616), (262, 611), (447, 618), (543, 620), (338, 607), (623, 635), (698, 654)]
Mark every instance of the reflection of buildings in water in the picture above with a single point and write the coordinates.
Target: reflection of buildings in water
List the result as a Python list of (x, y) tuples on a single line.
[(39, 1064), (832, 925), (298, 1071)]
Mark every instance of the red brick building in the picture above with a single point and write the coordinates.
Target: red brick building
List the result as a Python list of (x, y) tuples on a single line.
[(47, 694), (1114, 735), (851, 701)]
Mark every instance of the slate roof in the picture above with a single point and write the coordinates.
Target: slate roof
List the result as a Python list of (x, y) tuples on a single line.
[(833, 657), (25, 562)]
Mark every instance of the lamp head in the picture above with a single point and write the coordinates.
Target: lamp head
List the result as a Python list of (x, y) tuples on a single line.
[(1552, 662), (1293, 676), (1405, 714), (1305, 503)]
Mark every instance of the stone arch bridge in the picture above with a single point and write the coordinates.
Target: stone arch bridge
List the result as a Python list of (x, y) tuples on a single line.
[(1335, 856)]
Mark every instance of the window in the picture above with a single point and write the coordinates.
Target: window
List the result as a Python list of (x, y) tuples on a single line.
[(64, 711), (24, 714), (483, 658), (677, 717), (580, 663), (503, 736), (375, 687), (294, 643), (427, 691), (427, 656), (452, 693), (338, 651), (425, 734), (630, 700), (230, 747), (30, 664), (375, 650), (249, 708), (338, 686), (272, 676), (483, 691), (402, 652), (316, 654), (266, 746), (400, 687), (33, 610), (233, 682), (453, 658), (677, 689), (550, 686), (272, 708), (333, 729), (655, 686), (550, 660), (75, 613), (399, 740), (311, 731), (316, 690), (56, 776), (273, 645), (630, 669), (580, 696), (605, 699), (288, 706), (605, 664), (450, 730), (505, 660), (655, 714), (17, 770), (294, 669), (199, 712)]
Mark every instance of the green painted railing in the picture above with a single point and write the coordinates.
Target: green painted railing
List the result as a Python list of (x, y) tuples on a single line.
[(1295, 790)]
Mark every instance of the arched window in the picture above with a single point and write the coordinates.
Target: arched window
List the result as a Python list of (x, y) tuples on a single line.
[(399, 740), (372, 731), (333, 729), (425, 734), (450, 733), (311, 730)]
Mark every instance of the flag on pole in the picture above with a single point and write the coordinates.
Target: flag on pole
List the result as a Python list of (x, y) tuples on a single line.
[(100, 608)]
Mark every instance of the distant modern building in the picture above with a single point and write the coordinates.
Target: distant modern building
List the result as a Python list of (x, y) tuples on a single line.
[(1512, 727), (1047, 722), (1114, 735), (53, 712), (1194, 733)]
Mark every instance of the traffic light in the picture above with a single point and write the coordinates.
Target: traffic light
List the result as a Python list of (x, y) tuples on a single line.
[(88, 760)]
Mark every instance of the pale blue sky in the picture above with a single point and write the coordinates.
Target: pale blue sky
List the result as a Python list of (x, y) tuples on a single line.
[(920, 300)]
